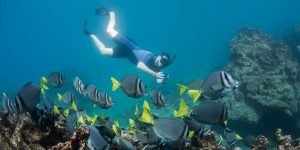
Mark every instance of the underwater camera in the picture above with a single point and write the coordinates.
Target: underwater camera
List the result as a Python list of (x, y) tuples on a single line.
[(163, 80)]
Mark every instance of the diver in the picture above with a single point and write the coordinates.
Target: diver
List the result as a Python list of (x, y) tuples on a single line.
[(127, 48)]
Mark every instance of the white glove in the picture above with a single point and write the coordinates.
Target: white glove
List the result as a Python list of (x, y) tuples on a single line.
[(159, 75)]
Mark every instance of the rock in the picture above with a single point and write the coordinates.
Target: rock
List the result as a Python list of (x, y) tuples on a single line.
[(77, 141), (261, 143), (268, 76), (293, 40), (21, 132)]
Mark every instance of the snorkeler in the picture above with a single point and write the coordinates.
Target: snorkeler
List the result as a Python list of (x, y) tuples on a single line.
[(126, 48)]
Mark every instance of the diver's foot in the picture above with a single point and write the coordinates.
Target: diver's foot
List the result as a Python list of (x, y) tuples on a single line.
[(86, 32), (102, 11)]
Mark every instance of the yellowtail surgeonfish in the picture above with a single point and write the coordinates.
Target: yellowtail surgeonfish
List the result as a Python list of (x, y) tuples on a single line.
[(157, 98), (56, 79), (218, 85), (131, 85), (210, 113)]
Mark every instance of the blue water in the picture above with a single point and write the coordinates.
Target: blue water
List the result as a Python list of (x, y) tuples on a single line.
[(39, 37)]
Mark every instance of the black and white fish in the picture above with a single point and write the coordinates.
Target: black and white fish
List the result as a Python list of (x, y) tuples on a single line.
[(218, 85), (79, 86), (28, 97), (9, 107), (102, 99), (157, 98), (210, 113), (131, 85), (68, 97), (56, 79)]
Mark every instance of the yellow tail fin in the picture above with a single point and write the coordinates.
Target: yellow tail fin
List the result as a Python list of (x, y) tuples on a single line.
[(195, 94), (4, 94), (191, 134), (225, 122), (117, 124), (74, 106), (66, 112), (81, 120), (44, 80), (184, 109), (45, 87), (146, 106), (146, 117), (116, 83), (132, 129), (115, 128), (59, 97), (136, 112), (182, 88), (91, 120), (175, 113), (238, 137), (56, 110)]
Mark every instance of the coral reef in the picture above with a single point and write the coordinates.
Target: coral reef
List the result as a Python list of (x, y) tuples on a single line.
[(285, 142), (77, 141), (270, 79), (261, 143), (20, 132)]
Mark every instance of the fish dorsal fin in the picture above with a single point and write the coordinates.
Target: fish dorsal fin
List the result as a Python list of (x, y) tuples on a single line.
[(136, 112), (91, 120), (195, 94), (74, 106), (116, 84), (182, 88), (146, 117), (184, 109), (146, 106), (4, 94)]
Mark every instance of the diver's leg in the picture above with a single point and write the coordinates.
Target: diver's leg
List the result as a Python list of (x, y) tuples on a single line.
[(101, 47), (111, 25)]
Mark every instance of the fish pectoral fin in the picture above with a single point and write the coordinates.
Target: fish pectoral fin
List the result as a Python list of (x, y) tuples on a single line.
[(217, 87)]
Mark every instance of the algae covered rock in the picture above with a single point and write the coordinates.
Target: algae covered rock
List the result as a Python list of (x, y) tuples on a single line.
[(268, 76)]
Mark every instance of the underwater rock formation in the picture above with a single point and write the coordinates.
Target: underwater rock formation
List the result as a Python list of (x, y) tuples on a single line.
[(285, 141), (77, 141), (20, 132), (269, 78), (293, 40)]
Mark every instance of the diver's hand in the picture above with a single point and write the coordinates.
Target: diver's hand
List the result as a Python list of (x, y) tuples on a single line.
[(159, 75)]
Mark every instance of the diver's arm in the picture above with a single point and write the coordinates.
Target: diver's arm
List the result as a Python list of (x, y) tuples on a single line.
[(144, 68)]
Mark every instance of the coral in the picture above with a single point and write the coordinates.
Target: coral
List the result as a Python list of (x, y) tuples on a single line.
[(207, 142), (20, 132), (285, 142), (268, 75), (261, 143), (77, 141)]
